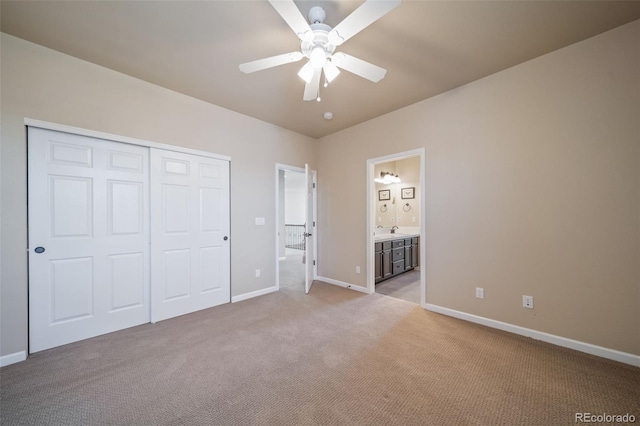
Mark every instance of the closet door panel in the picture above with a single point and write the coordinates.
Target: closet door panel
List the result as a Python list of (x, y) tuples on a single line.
[(88, 237), (190, 233)]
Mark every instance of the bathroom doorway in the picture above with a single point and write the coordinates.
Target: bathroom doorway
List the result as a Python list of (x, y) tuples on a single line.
[(395, 226)]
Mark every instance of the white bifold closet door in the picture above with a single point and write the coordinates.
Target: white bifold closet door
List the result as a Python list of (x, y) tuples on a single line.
[(190, 257), (88, 237)]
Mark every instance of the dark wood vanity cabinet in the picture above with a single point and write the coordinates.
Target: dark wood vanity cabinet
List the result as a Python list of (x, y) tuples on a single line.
[(378, 262), (395, 257), (415, 252), (383, 260)]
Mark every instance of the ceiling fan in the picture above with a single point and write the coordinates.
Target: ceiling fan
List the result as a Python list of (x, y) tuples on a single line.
[(318, 42)]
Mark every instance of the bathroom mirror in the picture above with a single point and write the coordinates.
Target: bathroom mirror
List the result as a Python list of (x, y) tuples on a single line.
[(397, 204)]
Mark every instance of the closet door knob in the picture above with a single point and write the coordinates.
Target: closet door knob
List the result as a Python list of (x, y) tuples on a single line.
[(39, 250), (225, 238)]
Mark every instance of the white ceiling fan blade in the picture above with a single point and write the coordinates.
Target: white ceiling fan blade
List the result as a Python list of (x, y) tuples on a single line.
[(358, 67), (311, 88), (270, 62), (362, 17), (292, 16), (306, 72)]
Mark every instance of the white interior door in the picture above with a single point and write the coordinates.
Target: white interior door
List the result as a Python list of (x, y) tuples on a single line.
[(190, 257), (88, 237), (309, 246)]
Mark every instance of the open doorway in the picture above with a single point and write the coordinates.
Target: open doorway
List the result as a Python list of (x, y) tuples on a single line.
[(395, 225), (291, 241)]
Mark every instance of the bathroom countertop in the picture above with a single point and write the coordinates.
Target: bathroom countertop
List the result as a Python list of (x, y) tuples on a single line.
[(396, 236)]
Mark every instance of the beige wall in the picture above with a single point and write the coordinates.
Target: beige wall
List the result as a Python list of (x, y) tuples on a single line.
[(532, 187), (42, 84)]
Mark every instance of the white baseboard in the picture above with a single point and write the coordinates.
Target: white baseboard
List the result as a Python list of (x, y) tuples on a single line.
[(251, 295), (600, 351), (12, 358), (343, 284)]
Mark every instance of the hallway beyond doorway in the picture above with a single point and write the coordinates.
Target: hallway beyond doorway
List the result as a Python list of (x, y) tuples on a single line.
[(292, 270)]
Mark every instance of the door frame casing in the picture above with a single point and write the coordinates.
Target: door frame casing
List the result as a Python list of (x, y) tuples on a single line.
[(118, 138), (285, 167), (371, 215)]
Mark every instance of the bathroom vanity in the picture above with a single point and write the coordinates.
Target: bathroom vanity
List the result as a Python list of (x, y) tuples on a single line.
[(395, 254)]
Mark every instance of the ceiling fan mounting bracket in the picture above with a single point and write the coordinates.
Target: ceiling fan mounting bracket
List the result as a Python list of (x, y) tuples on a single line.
[(316, 15)]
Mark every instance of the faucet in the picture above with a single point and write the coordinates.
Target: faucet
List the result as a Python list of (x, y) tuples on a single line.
[(379, 226), (393, 229)]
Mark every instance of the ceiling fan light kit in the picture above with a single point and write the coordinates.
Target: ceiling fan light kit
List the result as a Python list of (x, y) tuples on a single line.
[(317, 57), (318, 42)]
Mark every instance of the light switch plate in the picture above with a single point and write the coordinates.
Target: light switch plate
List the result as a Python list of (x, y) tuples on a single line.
[(259, 221)]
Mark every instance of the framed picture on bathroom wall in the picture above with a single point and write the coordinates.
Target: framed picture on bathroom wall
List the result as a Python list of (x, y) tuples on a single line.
[(384, 194), (407, 193)]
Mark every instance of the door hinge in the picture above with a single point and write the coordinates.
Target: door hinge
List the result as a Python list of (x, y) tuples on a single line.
[(314, 263), (314, 223), (314, 184)]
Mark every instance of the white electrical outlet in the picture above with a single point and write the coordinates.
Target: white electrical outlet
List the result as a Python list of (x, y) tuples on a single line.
[(527, 302), (357, 269), (480, 292), (257, 273)]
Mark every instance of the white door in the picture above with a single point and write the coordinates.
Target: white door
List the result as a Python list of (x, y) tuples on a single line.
[(190, 257), (88, 237), (309, 246)]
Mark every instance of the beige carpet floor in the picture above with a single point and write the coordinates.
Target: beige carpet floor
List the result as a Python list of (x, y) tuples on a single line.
[(333, 357)]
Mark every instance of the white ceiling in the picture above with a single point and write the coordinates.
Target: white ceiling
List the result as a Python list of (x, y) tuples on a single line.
[(195, 47)]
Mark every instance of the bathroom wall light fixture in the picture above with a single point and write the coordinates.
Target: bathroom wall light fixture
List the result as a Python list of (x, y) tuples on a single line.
[(387, 178)]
